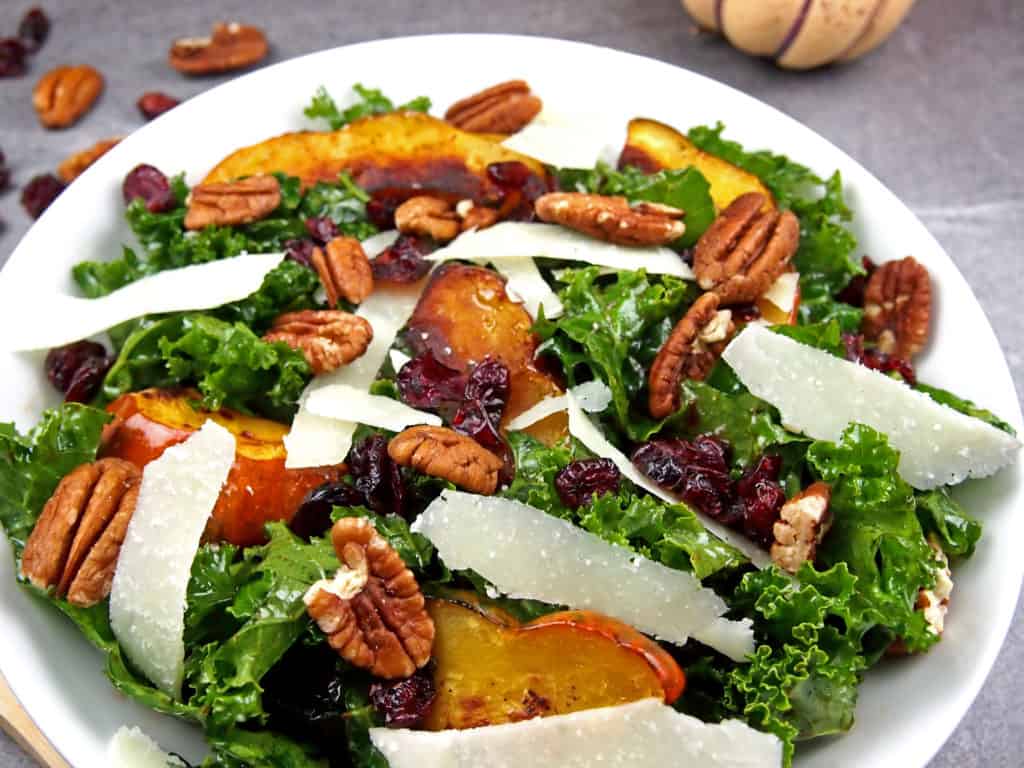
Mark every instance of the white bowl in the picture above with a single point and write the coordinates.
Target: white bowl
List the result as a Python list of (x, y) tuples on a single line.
[(907, 708)]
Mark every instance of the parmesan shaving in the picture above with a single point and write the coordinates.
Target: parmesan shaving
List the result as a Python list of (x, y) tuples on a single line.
[(592, 396), (569, 141), (782, 292), (41, 322), (525, 285), (131, 748), (351, 404)]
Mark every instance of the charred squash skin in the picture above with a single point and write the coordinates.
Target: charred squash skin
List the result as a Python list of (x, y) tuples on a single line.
[(258, 490)]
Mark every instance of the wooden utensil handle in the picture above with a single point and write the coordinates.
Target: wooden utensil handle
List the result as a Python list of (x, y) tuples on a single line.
[(19, 726)]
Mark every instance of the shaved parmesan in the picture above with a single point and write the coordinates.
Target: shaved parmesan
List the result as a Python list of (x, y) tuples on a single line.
[(398, 359), (592, 396), (583, 429), (641, 734), (316, 441), (569, 141), (147, 599), (819, 395), (59, 319), (782, 292), (131, 748), (375, 244), (347, 403), (515, 239), (527, 553), (525, 285)]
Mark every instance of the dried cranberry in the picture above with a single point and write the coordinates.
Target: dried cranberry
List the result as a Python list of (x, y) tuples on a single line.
[(760, 497), (853, 293), (698, 471), (300, 251), (154, 103), (853, 344), (313, 517), (12, 57), (5, 173), (403, 262), (34, 29), (376, 476), (152, 186), (687, 256), (428, 384), (321, 229), (39, 193), (479, 416), (581, 480), (518, 187), (746, 313), (380, 210), (77, 370), (404, 703)]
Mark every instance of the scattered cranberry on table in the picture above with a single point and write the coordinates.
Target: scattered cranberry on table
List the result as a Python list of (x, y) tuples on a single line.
[(34, 29), (154, 103), (39, 193), (12, 57)]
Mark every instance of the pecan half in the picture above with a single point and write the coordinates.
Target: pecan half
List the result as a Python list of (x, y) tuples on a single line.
[(428, 216), (745, 249), (442, 452), (612, 218), (898, 307), (344, 270), (74, 166), (475, 216), (802, 524), (502, 108), (372, 611), (229, 46), (689, 353), (75, 543), (328, 338), (234, 202), (64, 94)]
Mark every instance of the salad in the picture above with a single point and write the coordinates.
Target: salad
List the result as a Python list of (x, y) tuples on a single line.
[(416, 441)]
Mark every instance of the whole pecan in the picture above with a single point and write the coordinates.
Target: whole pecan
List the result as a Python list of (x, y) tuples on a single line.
[(612, 218), (803, 522), (502, 108), (442, 452), (344, 270), (372, 611), (429, 217), (74, 165), (234, 202), (229, 46), (328, 338), (64, 94), (75, 543), (689, 353), (475, 216), (897, 307), (745, 249)]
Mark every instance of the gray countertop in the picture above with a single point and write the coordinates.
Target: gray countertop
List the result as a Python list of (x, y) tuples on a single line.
[(937, 114)]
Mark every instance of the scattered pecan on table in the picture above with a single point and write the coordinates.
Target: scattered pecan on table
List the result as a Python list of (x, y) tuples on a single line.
[(442, 452), (745, 249), (372, 611), (612, 218), (344, 270), (232, 203), (502, 108), (327, 338), (65, 94), (689, 353), (74, 165), (897, 307), (229, 46), (77, 539)]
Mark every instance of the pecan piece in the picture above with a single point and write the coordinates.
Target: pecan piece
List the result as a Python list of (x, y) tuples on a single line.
[(502, 108), (475, 216), (898, 307), (64, 94), (328, 338), (74, 166), (75, 543), (442, 452), (428, 216), (612, 218), (802, 524), (745, 249), (933, 603), (344, 270), (689, 353), (372, 611), (230, 46), (234, 202)]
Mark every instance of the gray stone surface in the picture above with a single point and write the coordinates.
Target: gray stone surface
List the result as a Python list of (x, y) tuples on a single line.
[(937, 114)]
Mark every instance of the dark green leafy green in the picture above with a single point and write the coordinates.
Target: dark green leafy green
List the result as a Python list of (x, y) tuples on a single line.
[(227, 362), (370, 101), (344, 203), (243, 748), (536, 467), (686, 189), (218, 573), (288, 287), (31, 465), (611, 330), (361, 718), (943, 517)]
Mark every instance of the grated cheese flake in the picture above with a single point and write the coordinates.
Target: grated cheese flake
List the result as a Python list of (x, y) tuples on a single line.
[(131, 748), (346, 403)]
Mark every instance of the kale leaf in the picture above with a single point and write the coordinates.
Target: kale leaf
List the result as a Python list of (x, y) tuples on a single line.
[(943, 517), (370, 101)]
